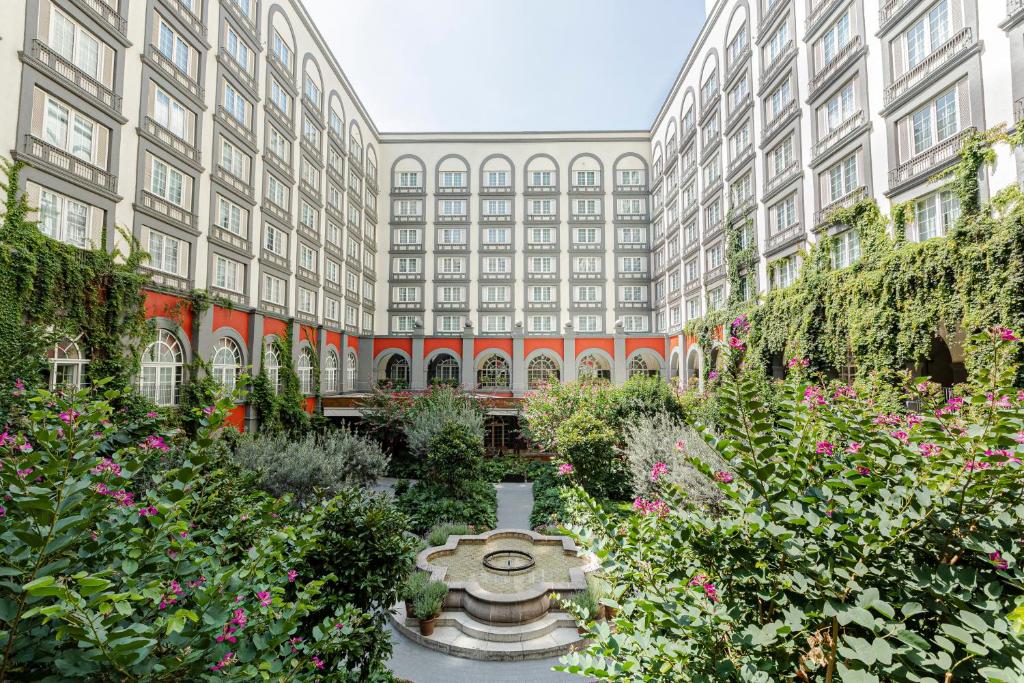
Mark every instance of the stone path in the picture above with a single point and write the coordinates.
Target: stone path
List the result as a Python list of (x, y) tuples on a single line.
[(411, 662)]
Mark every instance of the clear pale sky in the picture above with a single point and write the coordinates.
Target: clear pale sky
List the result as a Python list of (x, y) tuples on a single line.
[(487, 65)]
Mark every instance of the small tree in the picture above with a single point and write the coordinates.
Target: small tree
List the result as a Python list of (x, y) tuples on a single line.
[(454, 456), (588, 444)]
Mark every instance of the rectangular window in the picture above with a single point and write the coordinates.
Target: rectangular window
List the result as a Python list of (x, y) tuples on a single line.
[(275, 241), (236, 105), (277, 193), (174, 48), (541, 179), (495, 323), (588, 323), (452, 236), (450, 265), (306, 301), (497, 264), (332, 271), (234, 160), (586, 236), (497, 236), (842, 178), (497, 207), (846, 249), (840, 108), (167, 254), (76, 45), (68, 130), (453, 179), (935, 122), (835, 38), (631, 178), (232, 217), (331, 309), (238, 50), (927, 34), (282, 51), (544, 294), (167, 182), (405, 295), (170, 114), (312, 91), (280, 98), (586, 264), (496, 179), (782, 273), (452, 207), (273, 289), (541, 264), (783, 214), (542, 323), (228, 274), (542, 207), (496, 295), (935, 215), (586, 178)]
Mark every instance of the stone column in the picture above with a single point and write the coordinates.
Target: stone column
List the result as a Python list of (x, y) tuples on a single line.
[(468, 358), (619, 362), (518, 360), (682, 361), (321, 353), (343, 363), (366, 376), (256, 363), (418, 376), (570, 373), (202, 345)]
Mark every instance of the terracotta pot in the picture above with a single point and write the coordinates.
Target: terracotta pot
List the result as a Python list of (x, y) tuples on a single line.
[(427, 626), (408, 608), (609, 612)]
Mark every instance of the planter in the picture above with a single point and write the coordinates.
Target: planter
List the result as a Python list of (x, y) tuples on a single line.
[(427, 626), (408, 608)]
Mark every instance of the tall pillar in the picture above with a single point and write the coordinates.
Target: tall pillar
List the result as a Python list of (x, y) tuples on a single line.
[(321, 354), (682, 361), (203, 340), (365, 378), (343, 363), (518, 361), (256, 363), (619, 362), (468, 358), (418, 377), (569, 370)]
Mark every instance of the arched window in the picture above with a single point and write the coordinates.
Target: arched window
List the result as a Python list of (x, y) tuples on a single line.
[(331, 372), (351, 371), (227, 361), (67, 365), (304, 369), (638, 365), (593, 366), (397, 371), (161, 371), (541, 370), (493, 373), (272, 366), (443, 369)]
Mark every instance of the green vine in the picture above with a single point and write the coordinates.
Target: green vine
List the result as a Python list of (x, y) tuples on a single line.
[(883, 312), (51, 291), (280, 408)]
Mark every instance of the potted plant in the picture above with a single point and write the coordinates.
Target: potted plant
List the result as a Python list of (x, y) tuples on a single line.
[(413, 586), (584, 608), (427, 605)]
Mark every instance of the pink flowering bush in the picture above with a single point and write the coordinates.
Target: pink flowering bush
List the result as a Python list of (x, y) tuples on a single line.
[(110, 574), (850, 543)]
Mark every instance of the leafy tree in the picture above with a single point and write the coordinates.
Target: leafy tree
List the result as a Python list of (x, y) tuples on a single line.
[(588, 444), (454, 456)]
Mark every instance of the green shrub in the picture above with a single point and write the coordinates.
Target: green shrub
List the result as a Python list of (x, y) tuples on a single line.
[(454, 456), (435, 411), (414, 585), (848, 544), (440, 533), (426, 504), (547, 409), (644, 396), (329, 461), (549, 509), (588, 444), (430, 600), (661, 439)]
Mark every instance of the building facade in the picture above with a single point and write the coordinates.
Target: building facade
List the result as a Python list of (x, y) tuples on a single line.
[(224, 136)]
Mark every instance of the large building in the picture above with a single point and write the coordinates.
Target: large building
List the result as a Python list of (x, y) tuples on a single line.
[(225, 137)]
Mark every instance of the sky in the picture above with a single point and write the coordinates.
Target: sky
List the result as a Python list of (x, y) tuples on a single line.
[(510, 65)]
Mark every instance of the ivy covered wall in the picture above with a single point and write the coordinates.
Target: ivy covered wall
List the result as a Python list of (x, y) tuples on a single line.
[(884, 311)]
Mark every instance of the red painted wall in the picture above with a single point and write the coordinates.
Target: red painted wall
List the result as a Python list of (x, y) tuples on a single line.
[(310, 404), (605, 344), (381, 345), (236, 418), (275, 326), (334, 338), (159, 305), (555, 345), (647, 343), (484, 344), (236, 320), (353, 343), (431, 345)]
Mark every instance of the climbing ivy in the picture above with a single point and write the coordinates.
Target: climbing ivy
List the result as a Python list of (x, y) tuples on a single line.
[(50, 290), (740, 259), (283, 409), (883, 312)]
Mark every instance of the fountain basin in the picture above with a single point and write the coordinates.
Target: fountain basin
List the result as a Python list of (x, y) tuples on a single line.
[(507, 576)]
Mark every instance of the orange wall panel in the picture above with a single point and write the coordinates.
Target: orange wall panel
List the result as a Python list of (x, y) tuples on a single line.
[(174, 308), (236, 418), (488, 344), (275, 326), (555, 345), (431, 345), (655, 344), (236, 320), (399, 344), (353, 343), (605, 344)]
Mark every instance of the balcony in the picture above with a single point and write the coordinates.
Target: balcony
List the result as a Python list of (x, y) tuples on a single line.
[(933, 63), (451, 246), (282, 71), (69, 166), (179, 77), (65, 71), (929, 161), (452, 190), (168, 281), (496, 246), (819, 12), (631, 189), (225, 236), (170, 141), (406, 276), (542, 218), (495, 305), (781, 179), (497, 189), (278, 212), (735, 66), (273, 259), (241, 17), (228, 120), (771, 12), (170, 212), (837, 135), (190, 20), (889, 12), (690, 288), (709, 105), (444, 218), (496, 218), (844, 202), (733, 117), (586, 275), (586, 189), (825, 74), (407, 247), (541, 189), (716, 273), (405, 191), (586, 217), (237, 184), (741, 159), (785, 237), (631, 217), (713, 230), (406, 306), (778, 122), (108, 16), (451, 306), (237, 70), (281, 165), (632, 275), (497, 276), (770, 71)]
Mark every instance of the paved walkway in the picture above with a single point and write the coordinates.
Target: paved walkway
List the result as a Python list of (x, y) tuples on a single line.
[(411, 662), (515, 503)]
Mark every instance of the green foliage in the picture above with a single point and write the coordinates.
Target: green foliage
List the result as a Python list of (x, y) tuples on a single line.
[(644, 396), (440, 533), (512, 468), (588, 444), (414, 585), (281, 408), (106, 581), (426, 503), (436, 410), (663, 439), (847, 544), (883, 312), (311, 466), (427, 604), (548, 500), (361, 545), (51, 291), (454, 456)]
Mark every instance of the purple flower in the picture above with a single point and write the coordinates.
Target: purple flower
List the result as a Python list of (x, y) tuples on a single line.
[(813, 397), (209, 410), (713, 375), (292, 574), (825, 448), (723, 476), (317, 662), (854, 447), (864, 471), (735, 343), (264, 598), (107, 465), (565, 469), (929, 450), (997, 559), (1005, 334), (798, 363), (3, 511), (154, 442), (660, 469), (151, 414), (741, 325), (149, 511)]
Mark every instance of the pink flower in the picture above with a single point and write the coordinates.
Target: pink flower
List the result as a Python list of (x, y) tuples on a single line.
[(845, 391), (154, 442), (929, 450), (68, 416), (1005, 334), (6, 439), (3, 511), (700, 580), (681, 445), (1019, 438), (660, 469), (723, 476), (914, 420), (798, 363), (19, 385), (292, 574), (713, 375), (976, 465), (25, 447), (813, 397), (295, 641), (1000, 402), (151, 415), (997, 559), (565, 469), (209, 410), (25, 472), (741, 325), (339, 626), (888, 420), (735, 343), (225, 660), (901, 436), (651, 507), (238, 617), (923, 387), (149, 511), (854, 447), (825, 448), (264, 598), (107, 465), (317, 662), (864, 471)]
